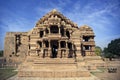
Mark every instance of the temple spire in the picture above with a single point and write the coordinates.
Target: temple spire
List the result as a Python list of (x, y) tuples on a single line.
[(54, 10)]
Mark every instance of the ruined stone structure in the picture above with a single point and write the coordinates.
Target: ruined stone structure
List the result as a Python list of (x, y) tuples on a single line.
[(53, 36), (55, 47)]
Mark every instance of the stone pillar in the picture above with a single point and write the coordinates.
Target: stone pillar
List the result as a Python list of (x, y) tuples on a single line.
[(72, 45), (59, 50), (66, 49), (70, 33), (65, 32), (59, 30), (41, 51), (49, 43), (90, 51), (49, 49), (66, 45), (93, 50), (91, 39), (59, 45), (43, 44), (49, 30), (44, 33)]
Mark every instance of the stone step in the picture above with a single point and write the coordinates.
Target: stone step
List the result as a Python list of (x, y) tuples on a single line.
[(92, 58), (53, 74), (54, 61), (55, 67)]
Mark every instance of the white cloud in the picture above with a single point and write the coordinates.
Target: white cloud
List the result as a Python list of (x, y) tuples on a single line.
[(97, 19), (16, 22), (13, 23)]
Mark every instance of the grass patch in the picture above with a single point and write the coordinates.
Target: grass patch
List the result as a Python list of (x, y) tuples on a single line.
[(102, 70), (93, 73), (6, 73)]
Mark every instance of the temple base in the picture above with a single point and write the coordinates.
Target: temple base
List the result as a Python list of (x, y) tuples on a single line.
[(51, 68)]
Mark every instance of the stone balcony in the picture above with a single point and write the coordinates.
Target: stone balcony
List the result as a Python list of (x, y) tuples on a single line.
[(54, 20), (88, 34), (88, 42), (52, 36)]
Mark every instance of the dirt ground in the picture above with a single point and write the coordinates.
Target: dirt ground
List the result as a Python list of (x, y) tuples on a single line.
[(105, 75)]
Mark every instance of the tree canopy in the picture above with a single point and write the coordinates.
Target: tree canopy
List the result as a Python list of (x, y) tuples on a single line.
[(113, 49), (98, 50)]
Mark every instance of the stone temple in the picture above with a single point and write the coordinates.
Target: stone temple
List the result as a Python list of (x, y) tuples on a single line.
[(55, 47)]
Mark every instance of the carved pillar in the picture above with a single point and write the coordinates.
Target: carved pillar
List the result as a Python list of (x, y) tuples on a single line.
[(59, 50), (44, 33), (49, 43), (49, 49), (66, 45), (65, 32), (93, 50), (49, 30), (59, 45), (90, 50), (41, 53), (59, 30), (70, 34), (43, 44), (66, 49)]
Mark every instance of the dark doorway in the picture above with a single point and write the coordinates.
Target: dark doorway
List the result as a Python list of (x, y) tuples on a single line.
[(54, 45), (62, 31), (54, 29), (68, 34), (41, 34)]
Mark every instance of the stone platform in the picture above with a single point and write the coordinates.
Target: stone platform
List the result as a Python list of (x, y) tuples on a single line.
[(51, 68), (38, 78)]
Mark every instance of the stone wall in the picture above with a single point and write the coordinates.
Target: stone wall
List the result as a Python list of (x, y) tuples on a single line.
[(14, 52), (9, 45)]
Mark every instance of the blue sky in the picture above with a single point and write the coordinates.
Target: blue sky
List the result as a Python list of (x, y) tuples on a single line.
[(102, 15)]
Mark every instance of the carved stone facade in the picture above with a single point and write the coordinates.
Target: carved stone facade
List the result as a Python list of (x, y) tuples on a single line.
[(54, 36), (55, 48)]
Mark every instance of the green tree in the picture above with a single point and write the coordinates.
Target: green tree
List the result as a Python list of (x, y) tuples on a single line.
[(98, 50), (107, 54), (113, 49)]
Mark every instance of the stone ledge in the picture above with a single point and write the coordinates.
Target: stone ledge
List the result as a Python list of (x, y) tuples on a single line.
[(53, 74)]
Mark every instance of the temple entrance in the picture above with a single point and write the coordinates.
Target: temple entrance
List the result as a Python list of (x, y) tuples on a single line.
[(54, 48)]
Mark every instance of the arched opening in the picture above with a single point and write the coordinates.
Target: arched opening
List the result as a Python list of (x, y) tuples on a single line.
[(41, 34)]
